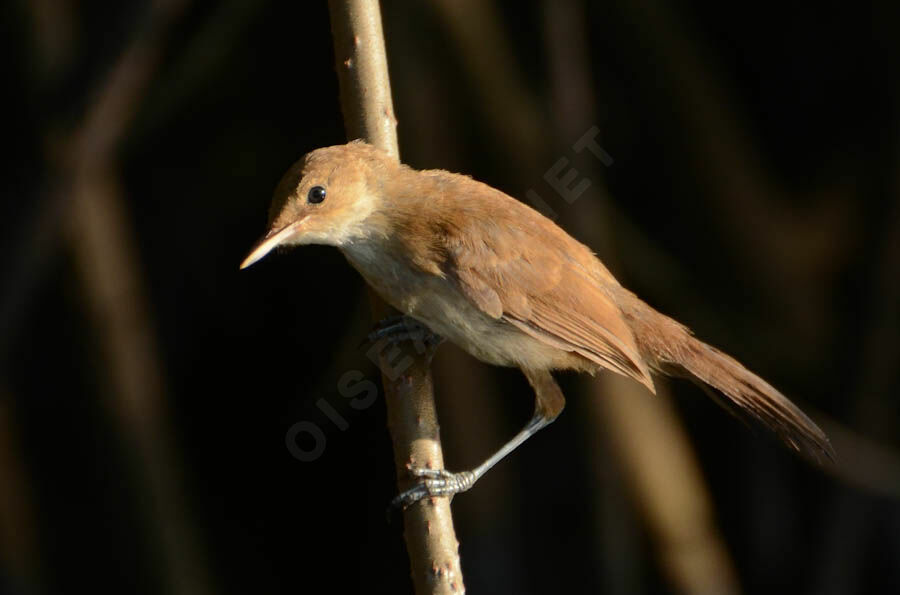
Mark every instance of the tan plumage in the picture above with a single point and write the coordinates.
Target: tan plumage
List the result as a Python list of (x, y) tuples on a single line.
[(503, 258), (502, 281)]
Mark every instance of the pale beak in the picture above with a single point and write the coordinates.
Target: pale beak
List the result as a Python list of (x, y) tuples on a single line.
[(270, 242)]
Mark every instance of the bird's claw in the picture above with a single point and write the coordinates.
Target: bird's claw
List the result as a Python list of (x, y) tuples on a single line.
[(433, 483), (397, 329)]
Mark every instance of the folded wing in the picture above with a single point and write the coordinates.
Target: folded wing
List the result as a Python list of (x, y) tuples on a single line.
[(547, 285)]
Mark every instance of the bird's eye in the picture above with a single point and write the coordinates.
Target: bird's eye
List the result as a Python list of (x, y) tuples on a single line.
[(316, 194)]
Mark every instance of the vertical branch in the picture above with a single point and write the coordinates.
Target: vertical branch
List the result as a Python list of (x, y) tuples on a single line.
[(369, 114), (102, 242), (362, 70), (646, 435), (690, 548), (106, 258), (663, 475)]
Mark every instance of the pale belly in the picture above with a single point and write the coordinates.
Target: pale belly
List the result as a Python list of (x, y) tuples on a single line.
[(440, 306)]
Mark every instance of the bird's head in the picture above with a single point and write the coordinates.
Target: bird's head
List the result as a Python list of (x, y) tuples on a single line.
[(325, 198)]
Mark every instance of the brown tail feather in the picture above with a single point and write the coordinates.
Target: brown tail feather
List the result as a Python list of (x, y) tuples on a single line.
[(671, 348)]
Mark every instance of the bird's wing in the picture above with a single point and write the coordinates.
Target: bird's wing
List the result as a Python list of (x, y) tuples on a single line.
[(546, 284)]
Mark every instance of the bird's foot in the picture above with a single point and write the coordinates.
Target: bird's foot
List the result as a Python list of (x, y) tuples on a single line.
[(434, 483), (401, 328)]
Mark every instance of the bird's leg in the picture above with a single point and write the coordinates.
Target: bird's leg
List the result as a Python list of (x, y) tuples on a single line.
[(432, 483), (400, 328)]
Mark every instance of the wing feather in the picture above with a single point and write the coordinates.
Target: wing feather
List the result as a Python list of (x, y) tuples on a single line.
[(547, 285)]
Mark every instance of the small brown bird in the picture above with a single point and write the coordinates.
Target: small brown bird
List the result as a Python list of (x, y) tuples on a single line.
[(502, 282)]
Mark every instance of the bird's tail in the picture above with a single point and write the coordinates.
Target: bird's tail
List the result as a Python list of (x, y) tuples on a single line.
[(672, 349)]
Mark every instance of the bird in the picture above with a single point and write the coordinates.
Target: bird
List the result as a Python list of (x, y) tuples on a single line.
[(473, 265)]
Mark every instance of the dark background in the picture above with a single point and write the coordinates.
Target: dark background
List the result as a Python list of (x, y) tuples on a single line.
[(147, 386)]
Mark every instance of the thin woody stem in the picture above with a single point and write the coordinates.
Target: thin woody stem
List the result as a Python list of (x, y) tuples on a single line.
[(369, 114)]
